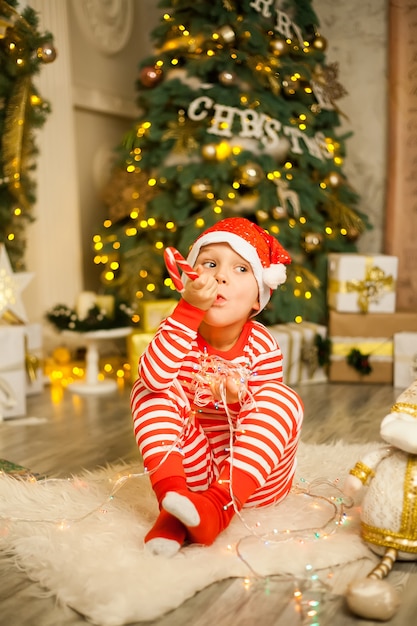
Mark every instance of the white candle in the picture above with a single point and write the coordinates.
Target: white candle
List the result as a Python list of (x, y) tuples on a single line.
[(85, 301)]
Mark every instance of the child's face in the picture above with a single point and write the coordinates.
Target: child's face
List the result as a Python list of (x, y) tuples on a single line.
[(238, 294)]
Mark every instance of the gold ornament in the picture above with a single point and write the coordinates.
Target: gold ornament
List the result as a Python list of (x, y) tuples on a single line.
[(262, 216), (250, 174), (319, 43), (312, 242), (227, 34), (150, 76), (227, 78), (200, 189), (279, 47), (334, 179), (279, 212), (46, 52), (352, 233), (209, 152)]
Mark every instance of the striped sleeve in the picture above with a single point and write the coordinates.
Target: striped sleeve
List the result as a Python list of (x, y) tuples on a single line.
[(160, 363), (266, 357)]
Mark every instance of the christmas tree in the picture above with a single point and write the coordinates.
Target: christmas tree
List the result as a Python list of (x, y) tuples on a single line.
[(238, 117), (23, 49)]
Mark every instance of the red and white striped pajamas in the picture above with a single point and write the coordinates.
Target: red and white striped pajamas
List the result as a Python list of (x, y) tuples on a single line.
[(174, 412)]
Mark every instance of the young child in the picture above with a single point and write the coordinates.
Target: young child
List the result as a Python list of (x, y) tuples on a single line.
[(216, 426)]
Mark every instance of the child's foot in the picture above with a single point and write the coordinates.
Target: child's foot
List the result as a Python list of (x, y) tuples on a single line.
[(205, 514), (166, 536), (162, 547)]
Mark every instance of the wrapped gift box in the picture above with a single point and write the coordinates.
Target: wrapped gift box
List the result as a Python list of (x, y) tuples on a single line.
[(12, 372), (290, 341), (310, 370), (405, 359), (33, 359), (137, 343), (152, 312), (299, 351), (362, 284), (372, 334)]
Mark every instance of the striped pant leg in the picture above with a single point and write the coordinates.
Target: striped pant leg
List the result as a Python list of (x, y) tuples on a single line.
[(163, 424), (266, 441)]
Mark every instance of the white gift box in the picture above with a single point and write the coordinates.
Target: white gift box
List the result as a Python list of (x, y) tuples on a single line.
[(297, 343), (310, 370), (34, 359), (152, 312), (289, 340), (405, 359), (359, 283), (12, 372)]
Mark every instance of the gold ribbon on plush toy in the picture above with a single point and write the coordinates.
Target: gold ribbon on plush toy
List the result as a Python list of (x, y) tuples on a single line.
[(404, 407), (363, 472)]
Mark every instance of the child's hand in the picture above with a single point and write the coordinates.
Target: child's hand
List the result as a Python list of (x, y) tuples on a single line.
[(202, 291), (232, 390)]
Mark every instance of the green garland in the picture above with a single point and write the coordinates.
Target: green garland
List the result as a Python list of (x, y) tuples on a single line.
[(359, 362), (64, 318), (23, 50)]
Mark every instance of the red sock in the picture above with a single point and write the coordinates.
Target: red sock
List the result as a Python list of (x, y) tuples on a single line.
[(212, 510), (167, 527), (166, 476), (160, 468)]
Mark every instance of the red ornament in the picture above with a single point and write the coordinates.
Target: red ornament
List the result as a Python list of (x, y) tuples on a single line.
[(150, 76)]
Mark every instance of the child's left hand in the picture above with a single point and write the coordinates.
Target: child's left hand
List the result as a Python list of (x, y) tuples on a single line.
[(230, 386)]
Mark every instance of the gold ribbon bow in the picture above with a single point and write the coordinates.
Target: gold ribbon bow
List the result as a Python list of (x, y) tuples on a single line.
[(371, 287)]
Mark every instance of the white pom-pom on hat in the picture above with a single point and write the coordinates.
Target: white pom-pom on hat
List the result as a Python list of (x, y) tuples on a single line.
[(265, 254), (274, 275)]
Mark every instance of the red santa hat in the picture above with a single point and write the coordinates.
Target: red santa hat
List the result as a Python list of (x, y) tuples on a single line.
[(264, 253)]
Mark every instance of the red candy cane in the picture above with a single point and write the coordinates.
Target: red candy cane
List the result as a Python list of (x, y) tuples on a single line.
[(173, 260)]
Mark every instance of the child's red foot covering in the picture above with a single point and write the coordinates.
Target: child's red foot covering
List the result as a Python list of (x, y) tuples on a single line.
[(206, 514), (166, 536)]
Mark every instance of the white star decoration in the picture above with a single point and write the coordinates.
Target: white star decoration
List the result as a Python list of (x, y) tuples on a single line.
[(11, 287)]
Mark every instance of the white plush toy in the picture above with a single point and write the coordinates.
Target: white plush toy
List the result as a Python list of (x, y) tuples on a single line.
[(389, 507)]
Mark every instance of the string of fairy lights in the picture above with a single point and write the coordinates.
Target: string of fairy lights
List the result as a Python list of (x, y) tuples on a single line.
[(310, 591)]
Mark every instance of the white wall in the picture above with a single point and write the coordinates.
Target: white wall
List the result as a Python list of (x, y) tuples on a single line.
[(357, 35)]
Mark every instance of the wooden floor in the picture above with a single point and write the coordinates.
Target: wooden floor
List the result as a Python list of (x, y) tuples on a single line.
[(65, 433)]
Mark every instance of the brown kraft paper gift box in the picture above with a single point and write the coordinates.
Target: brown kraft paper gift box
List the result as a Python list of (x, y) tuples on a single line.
[(371, 333)]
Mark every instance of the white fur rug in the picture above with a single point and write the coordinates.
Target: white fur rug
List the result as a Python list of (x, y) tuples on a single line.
[(85, 546)]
